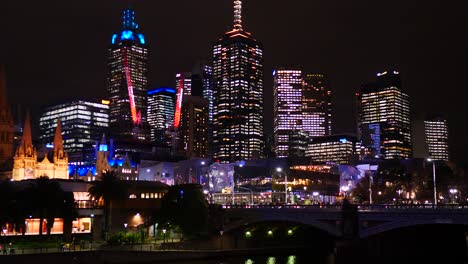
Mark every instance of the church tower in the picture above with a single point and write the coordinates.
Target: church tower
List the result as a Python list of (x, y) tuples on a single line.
[(102, 164), (25, 159), (60, 157), (6, 122)]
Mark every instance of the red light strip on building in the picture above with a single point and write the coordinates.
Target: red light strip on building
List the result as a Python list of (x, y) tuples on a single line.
[(180, 93), (135, 117)]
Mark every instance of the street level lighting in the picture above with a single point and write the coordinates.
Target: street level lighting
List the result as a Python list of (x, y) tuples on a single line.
[(164, 235), (453, 192), (433, 179), (345, 189), (279, 170)]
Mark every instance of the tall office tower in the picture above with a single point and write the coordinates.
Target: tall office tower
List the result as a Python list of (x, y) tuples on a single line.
[(184, 82), (202, 84), (238, 94), (436, 137), (193, 130), (316, 105), (384, 117), (6, 122), (287, 111), (127, 83), (83, 122), (161, 105)]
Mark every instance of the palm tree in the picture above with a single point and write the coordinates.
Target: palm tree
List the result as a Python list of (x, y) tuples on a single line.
[(46, 197), (109, 189)]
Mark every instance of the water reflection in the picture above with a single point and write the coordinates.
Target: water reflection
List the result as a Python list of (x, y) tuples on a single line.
[(271, 260)]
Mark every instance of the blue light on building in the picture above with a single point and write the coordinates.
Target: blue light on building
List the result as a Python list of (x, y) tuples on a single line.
[(126, 35), (160, 90), (142, 39), (114, 37)]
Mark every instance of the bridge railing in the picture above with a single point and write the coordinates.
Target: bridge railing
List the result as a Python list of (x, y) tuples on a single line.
[(360, 207)]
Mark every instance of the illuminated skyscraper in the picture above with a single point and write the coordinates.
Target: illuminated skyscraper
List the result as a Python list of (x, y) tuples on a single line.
[(436, 138), (83, 123), (6, 122), (238, 94), (302, 110), (127, 82), (384, 117), (161, 105), (184, 82), (287, 109), (316, 105)]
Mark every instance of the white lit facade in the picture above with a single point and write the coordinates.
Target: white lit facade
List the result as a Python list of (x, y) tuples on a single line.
[(287, 107), (161, 106), (384, 118), (337, 149), (82, 122), (238, 95), (436, 138), (302, 110)]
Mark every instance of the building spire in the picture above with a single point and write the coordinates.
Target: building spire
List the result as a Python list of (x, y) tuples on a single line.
[(26, 139), (58, 140), (3, 93), (237, 15)]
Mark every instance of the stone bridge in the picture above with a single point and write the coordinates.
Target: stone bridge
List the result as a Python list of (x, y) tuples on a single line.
[(366, 220)]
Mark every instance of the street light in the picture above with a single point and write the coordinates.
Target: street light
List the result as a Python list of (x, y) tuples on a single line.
[(164, 235), (453, 192), (433, 179), (279, 170)]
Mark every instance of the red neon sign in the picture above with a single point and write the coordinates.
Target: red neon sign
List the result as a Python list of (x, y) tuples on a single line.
[(136, 117)]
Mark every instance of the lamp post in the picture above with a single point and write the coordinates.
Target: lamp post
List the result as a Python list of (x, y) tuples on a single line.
[(434, 179), (453, 192), (221, 232), (92, 230), (164, 235), (279, 170), (251, 193)]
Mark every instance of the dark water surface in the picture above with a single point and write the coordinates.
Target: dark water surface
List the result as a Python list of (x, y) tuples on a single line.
[(266, 259)]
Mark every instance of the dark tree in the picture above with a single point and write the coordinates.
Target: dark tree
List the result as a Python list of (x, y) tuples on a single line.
[(109, 189), (185, 206)]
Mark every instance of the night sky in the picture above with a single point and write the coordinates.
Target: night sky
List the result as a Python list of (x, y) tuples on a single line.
[(56, 50)]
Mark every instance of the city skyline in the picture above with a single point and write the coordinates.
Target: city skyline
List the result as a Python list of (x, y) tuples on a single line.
[(340, 42)]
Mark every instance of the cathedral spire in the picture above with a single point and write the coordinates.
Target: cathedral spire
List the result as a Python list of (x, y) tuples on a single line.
[(58, 140), (26, 139), (3, 93), (237, 15)]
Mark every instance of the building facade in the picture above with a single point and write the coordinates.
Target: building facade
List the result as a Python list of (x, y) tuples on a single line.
[(436, 138), (238, 94), (161, 105), (302, 110), (336, 149), (287, 110), (127, 82), (83, 122), (6, 122), (316, 105), (184, 82), (384, 124), (25, 161), (193, 131)]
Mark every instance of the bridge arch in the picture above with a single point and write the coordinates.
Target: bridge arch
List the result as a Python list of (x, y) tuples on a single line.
[(327, 228), (399, 224)]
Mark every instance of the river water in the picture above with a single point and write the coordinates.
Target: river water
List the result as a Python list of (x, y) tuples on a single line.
[(266, 259)]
